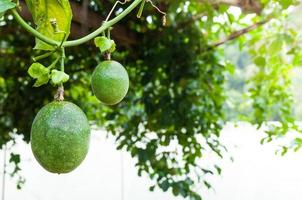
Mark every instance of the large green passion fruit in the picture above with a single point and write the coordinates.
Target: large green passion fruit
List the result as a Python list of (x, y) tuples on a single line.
[(60, 136), (110, 82)]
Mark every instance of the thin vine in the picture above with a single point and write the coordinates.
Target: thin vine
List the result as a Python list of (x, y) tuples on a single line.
[(82, 40)]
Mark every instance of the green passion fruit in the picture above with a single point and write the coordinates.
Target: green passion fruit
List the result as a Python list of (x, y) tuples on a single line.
[(60, 136), (110, 82)]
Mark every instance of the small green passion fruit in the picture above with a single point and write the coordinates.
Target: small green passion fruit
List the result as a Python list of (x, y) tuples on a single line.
[(110, 82), (60, 136)]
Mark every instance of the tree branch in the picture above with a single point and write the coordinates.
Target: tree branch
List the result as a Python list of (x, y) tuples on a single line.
[(241, 32)]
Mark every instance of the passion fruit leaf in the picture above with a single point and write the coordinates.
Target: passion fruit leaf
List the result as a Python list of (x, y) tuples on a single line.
[(42, 80), (58, 77), (5, 5), (46, 11), (37, 70), (105, 44)]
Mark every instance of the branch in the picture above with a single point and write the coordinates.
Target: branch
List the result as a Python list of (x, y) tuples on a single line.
[(77, 42), (120, 33), (241, 32)]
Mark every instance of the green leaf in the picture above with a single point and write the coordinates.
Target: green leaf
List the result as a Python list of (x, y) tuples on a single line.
[(164, 185), (218, 169), (45, 11), (151, 189), (175, 190), (276, 46), (260, 61), (58, 77), (286, 3), (284, 151), (105, 44), (230, 67), (207, 184), (297, 60), (37, 70), (5, 5), (14, 158), (42, 80)]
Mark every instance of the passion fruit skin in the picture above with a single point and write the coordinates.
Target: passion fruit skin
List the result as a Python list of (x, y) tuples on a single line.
[(110, 82), (60, 136)]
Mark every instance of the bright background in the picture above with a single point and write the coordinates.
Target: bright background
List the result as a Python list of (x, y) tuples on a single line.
[(256, 173)]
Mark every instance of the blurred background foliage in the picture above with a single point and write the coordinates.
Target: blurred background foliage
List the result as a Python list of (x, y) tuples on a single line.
[(214, 62)]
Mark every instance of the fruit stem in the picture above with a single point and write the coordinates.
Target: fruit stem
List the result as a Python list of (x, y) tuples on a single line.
[(141, 8), (107, 55), (45, 55), (52, 65), (62, 59), (59, 96), (108, 33)]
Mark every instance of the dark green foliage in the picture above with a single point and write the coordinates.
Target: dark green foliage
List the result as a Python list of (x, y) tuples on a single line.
[(19, 101), (176, 99)]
